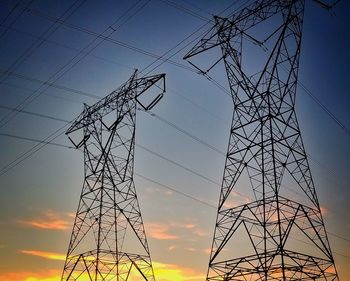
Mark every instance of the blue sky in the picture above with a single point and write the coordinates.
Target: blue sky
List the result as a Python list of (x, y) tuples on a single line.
[(46, 186)]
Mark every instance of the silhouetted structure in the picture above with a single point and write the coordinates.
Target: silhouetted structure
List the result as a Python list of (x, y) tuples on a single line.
[(108, 240), (279, 235)]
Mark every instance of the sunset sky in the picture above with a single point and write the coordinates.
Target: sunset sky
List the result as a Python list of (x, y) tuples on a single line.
[(49, 68)]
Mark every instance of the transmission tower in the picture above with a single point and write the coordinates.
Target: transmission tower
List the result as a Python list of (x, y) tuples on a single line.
[(108, 240), (279, 234)]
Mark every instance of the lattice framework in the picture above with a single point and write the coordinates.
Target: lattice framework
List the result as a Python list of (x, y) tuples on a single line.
[(108, 240), (265, 144)]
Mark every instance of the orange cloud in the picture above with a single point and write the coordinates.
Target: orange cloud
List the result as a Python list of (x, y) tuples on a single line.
[(172, 272), (207, 251), (162, 272), (324, 210), (191, 249), (47, 275), (193, 228), (199, 232), (46, 255), (50, 220), (160, 231), (190, 225)]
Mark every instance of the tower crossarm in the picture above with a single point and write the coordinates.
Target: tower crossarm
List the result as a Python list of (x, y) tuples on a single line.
[(117, 99), (265, 239), (238, 23)]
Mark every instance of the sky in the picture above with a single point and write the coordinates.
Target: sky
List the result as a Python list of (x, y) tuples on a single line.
[(178, 157)]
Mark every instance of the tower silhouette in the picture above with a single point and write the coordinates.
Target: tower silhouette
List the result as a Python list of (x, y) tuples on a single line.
[(108, 240), (280, 233)]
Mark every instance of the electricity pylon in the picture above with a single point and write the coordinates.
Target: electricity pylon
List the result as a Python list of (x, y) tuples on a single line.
[(278, 235), (108, 240)]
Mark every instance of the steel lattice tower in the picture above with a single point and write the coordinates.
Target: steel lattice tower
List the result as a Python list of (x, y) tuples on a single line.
[(278, 235), (108, 240)]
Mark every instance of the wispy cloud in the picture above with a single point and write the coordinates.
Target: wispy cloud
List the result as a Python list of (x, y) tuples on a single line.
[(192, 228), (170, 231), (50, 220), (160, 231), (191, 249), (324, 211), (162, 271), (43, 254), (47, 275), (207, 251), (172, 272)]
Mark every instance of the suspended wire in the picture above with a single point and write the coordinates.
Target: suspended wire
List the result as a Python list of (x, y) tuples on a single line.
[(54, 81), (325, 109), (184, 9), (171, 124), (28, 100), (228, 93), (44, 142), (13, 9), (212, 206), (34, 113), (46, 34), (107, 39), (62, 45), (53, 85), (165, 121), (174, 126), (307, 91), (35, 140), (51, 95), (168, 59), (33, 150), (175, 190), (29, 51), (208, 78), (198, 8), (74, 61), (161, 184)]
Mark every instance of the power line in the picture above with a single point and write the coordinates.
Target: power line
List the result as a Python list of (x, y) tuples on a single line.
[(46, 34), (154, 115), (33, 150), (167, 159), (161, 119), (62, 45), (198, 8), (45, 142), (104, 38), (307, 91), (53, 85), (75, 60), (174, 190), (15, 20), (107, 39), (51, 95), (34, 113), (168, 59), (325, 109), (171, 124), (174, 126), (184, 9), (35, 140)]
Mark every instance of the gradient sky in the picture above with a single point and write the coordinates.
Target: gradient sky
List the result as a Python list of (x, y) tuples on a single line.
[(40, 194)]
